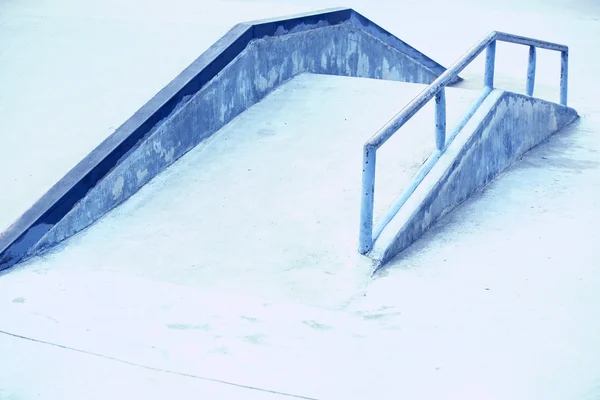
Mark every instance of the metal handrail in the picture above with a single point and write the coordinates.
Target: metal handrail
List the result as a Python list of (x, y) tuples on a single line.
[(437, 90)]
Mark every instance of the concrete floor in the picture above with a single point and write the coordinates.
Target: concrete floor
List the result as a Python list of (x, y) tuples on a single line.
[(499, 301)]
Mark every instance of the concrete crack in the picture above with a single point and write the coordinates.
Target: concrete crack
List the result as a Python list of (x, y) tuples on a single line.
[(157, 369)]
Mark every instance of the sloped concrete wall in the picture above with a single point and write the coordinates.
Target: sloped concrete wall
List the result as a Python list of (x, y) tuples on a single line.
[(504, 127), (264, 65)]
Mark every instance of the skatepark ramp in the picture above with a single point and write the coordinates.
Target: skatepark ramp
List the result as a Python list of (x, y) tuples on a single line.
[(252, 63), (239, 70)]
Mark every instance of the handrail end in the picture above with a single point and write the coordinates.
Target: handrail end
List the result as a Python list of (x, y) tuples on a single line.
[(372, 144)]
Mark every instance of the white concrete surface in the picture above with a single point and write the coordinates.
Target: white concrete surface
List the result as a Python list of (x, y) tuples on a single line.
[(501, 301)]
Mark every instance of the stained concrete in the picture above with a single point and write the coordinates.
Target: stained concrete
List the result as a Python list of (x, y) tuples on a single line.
[(503, 128)]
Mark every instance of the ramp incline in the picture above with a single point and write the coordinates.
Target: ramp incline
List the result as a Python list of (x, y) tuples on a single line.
[(236, 72)]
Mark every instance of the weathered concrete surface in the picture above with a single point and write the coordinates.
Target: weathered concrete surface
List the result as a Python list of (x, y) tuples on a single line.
[(275, 190), (236, 72), (504, 289), (428, 330), (209, 224), (265, 64), (505, 126)]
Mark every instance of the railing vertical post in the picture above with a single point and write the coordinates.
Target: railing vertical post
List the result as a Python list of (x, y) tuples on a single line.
[(440, 119), (490, 58), (366, 207), (564, 76), (531, 71)]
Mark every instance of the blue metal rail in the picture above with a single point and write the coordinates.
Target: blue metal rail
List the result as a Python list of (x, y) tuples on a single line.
[(437, 89)]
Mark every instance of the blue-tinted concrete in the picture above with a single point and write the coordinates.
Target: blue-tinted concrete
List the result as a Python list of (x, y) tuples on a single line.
[(236, 72), (505, 289), (504, 127)]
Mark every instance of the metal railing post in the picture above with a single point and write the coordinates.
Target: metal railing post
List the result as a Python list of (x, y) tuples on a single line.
[(531, 71), (366, 205), (564, 76), (440, 119), (490, 58)]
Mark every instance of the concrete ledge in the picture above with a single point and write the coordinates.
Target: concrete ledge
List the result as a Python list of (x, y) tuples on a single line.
[(504, 127), (236, 72)]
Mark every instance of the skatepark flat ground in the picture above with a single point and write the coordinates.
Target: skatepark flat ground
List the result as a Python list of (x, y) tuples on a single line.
[(499, 301)]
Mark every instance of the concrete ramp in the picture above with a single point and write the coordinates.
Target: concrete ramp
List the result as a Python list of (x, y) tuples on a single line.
[(503, 128), (236, 72)]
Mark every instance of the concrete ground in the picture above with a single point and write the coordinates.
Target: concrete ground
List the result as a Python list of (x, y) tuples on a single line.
[(499, 301)]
